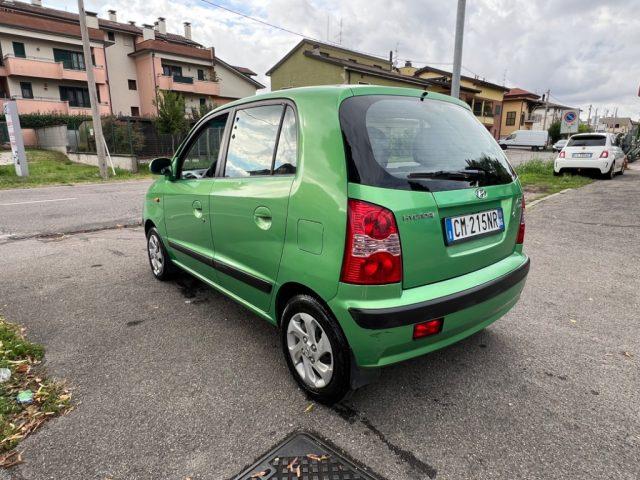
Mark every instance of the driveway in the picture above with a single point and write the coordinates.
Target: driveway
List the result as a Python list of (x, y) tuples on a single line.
[(174, 380)]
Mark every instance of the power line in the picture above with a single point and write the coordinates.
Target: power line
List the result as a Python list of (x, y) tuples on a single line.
[(283, 29)]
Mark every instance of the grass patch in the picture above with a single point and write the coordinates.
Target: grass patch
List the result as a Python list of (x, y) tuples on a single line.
[(54, 168), (50, 397), (537, 176)]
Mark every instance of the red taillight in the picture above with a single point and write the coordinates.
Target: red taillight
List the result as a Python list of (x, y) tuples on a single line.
[(561, 154), (372, 254), (426, 329), (604, 154), (520, 238)]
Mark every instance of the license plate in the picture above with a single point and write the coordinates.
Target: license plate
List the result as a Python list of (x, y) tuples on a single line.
[(465, 227), (581, 155)]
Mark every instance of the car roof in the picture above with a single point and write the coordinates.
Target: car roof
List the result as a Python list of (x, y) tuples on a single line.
[(340, 91)]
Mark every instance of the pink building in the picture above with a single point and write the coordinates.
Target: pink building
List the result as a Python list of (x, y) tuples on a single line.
[(42, 65)]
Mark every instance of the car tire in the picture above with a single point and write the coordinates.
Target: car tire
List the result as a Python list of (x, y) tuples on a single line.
[(611, 173), (557, 174), (621, 172), (312, 341), (159, 261)]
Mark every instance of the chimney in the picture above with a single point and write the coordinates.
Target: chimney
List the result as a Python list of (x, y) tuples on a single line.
[(92, 19), (132, 23), (162, 25), (37, 3), (147, 32), (407, 63), (187, 30), (112, 16)]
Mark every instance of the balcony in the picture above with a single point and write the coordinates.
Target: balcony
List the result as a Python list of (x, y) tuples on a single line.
[(49, 105), (42, 68), (179, 83)]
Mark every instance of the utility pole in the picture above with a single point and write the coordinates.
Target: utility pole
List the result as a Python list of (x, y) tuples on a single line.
[(457, 52), (93, 96), (546, 109), (589, 116)]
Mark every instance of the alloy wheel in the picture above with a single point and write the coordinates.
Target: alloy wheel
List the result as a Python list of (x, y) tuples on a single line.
[(310, 350), (155, 254)]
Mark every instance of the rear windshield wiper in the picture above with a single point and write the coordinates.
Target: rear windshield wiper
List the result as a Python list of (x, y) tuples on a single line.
[(450, 174)]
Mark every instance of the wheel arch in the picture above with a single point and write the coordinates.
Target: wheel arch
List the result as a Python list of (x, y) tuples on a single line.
[(148, 225), (289, 290)]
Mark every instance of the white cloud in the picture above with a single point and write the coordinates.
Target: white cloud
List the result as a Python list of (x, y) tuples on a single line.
[(585, 51)]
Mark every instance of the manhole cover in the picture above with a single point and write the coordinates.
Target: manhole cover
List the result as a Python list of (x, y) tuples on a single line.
[(304, 457)]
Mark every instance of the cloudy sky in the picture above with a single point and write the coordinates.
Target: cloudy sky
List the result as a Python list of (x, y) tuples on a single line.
[(584, 51)]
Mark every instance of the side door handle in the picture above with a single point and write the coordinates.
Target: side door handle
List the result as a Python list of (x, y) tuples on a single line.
[(262, 217), (197, 209)]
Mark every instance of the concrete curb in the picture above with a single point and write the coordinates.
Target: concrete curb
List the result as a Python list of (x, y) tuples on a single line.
[(535, 202)]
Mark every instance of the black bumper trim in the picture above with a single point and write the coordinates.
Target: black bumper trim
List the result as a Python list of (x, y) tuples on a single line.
[(233, 272), (381, 318)]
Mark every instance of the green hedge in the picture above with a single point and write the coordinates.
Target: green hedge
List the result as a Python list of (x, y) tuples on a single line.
[(39, 120)]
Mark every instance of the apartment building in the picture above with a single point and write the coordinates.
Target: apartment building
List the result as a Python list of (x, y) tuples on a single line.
[(42, 65), (314, 63), (517, 107)]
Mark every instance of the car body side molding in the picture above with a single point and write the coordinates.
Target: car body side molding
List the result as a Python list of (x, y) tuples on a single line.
[(222, 267)]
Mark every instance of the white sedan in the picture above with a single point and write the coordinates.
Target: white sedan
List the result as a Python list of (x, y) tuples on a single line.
[(559, 145), (598, 152)]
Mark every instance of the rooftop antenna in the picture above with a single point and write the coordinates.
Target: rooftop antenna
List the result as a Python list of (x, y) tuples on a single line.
[(340, 35), (328, 37)]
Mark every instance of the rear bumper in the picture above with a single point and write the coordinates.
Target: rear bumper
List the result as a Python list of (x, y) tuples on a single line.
[(602, 166), (380, 332), (381, 318)]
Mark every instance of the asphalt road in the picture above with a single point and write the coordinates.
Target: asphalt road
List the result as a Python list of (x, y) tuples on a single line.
[(48, 210), (174, 380)]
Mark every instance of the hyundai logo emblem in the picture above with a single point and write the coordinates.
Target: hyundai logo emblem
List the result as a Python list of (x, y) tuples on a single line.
[(481, 193)]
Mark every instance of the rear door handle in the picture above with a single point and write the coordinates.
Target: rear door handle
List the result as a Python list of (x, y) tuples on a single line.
[(197, 209), (262, 217)]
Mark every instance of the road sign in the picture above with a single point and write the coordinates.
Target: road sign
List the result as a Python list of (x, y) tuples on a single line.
[(15, 138), (570, 121)]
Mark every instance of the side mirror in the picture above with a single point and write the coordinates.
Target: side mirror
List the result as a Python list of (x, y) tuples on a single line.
[(160, 166)]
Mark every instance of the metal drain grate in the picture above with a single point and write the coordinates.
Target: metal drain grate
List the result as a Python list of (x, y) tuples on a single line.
[(304, 457)]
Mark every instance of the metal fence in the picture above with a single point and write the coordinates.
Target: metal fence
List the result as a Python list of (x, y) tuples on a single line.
[(124, 136)]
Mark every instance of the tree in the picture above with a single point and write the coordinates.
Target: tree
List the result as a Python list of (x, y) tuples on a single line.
[(554, 132), (171, 114), (584, 128), (202, 110)]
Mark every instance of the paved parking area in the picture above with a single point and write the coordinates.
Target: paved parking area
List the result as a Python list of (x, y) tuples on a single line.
[(174, 380), (518, 156)]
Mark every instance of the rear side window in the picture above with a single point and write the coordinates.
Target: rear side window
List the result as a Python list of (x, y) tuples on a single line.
[(253, 141), (405, 143), (285, 162), (588, 141)]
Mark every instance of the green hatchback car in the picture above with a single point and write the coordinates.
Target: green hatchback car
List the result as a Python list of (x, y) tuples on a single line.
[(370, 224)]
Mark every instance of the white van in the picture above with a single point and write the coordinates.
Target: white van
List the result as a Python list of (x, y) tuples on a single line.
[(536, 139)]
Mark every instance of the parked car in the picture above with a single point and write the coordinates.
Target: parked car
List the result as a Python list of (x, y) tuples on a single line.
[(591, 152), (341, 216), (560, 144), (536, 139)]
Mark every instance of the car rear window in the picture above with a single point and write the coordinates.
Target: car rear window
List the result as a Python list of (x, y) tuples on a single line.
[(588, 141), (408, 143)]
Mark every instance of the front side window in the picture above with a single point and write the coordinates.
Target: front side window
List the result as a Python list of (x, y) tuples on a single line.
[(253, 141), (18, 50), (202, 155), (511, 118), (408, 144)]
